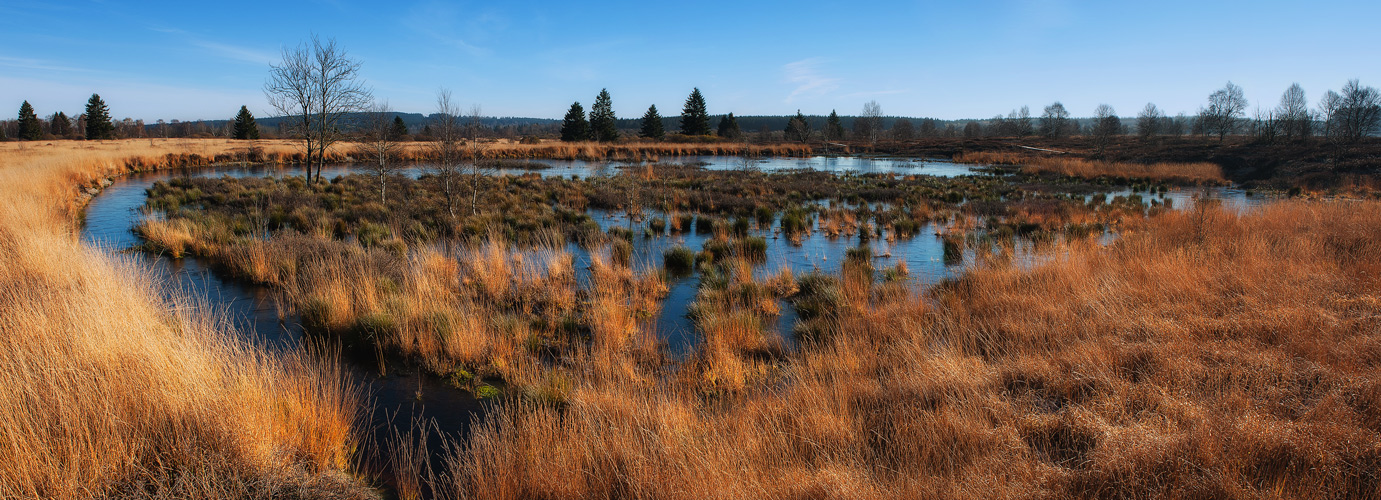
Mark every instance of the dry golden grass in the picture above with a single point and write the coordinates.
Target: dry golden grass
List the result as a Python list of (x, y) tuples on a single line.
[(1190, 173), (1204, 355), (111, 391)]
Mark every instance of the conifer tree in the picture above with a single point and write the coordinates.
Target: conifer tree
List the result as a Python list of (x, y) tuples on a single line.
[(602, 125), (728, 127), (98, 124), (400, 129), (29, 128), (245, 126), (652, 124), (574, 128), (61, 125), (694, 119), (797, 128), (834, 127)]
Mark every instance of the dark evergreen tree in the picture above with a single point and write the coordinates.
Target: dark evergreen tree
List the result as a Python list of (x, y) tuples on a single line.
[(797, 128), (427, 130), (98, 124), (652, 124), (602, 126), (245, 126), (728, 127), (574, 128), (61, 126), (694, 119), (29, 127), (400, 129), (834, 127)]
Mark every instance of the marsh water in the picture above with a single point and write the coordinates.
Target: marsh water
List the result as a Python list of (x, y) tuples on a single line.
[(397, 399)]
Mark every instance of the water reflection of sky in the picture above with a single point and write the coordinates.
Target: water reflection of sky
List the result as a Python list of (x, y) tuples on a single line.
[(112, 215)]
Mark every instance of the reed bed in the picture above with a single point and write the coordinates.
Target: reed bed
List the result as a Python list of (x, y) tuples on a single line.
[(1181, 173), (111, 391), (1205, 354)]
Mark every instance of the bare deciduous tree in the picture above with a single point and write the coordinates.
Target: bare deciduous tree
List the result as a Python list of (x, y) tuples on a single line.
[(1106, 125), (447, 149), (1055, 121), (973, 130), (1355, 113), (1226, 106), (475, 151), (1149, 122), (903, 129), (316, 86), (869, 123), (1022, 122), (1293, 113), (380, 145), (1265, 126)]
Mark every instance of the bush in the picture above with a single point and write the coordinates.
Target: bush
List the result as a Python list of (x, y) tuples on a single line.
[(679, 261), (764, 215), (371, 234)]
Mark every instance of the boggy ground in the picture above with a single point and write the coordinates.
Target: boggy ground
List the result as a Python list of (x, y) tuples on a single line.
[(1311, 164), (406, 277), (1204, 354)]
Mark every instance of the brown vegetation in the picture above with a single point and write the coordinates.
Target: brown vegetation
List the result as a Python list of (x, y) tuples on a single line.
[(1181, 173), (110, 391), (1205, 355)]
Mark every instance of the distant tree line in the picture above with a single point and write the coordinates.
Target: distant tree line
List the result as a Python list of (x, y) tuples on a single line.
[(94, 124), (1340, 117)]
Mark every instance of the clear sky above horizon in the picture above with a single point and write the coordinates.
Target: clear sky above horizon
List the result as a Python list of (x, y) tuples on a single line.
[(974, 59)]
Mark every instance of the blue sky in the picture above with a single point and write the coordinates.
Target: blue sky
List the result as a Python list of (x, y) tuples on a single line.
[(191, 60)]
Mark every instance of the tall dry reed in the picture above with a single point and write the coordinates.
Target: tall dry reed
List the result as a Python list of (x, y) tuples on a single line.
[(1206, 354), (112, 391)]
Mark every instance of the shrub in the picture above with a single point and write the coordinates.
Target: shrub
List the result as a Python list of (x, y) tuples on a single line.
[(679, 261)]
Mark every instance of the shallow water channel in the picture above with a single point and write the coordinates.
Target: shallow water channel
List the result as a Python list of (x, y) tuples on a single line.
[(400, 399)]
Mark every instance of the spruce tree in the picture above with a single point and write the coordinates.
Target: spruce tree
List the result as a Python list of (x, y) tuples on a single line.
[(29, 128), (98, 124), (61, 126), (834, 127), (602, 126), (245, 126), (574, 128), (728, 127), (694, 119), (400, 129), (652, 124), (798, 128)]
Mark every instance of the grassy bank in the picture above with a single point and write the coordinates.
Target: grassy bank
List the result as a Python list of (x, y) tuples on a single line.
[(1205, 355), (111, 391), (1198, 173)]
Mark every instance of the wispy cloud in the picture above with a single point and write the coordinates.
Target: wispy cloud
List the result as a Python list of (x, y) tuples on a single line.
[(875, 93), (25, 63), (440, 22), (805, 74), (237, 53), (223, 50)]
